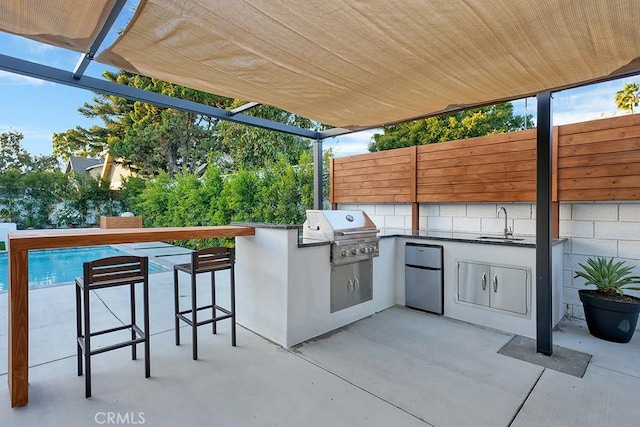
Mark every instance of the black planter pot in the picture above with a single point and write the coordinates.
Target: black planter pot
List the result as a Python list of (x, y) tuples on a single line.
[(610, 320)]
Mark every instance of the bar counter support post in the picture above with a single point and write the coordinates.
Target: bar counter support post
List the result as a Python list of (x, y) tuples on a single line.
[(18, 307)]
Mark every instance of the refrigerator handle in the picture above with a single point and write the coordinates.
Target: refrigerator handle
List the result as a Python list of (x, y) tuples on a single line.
[(495, 283), (484, 282)]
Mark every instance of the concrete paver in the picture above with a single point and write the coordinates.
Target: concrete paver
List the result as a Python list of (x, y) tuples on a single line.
[(603, 397), (447, 373)]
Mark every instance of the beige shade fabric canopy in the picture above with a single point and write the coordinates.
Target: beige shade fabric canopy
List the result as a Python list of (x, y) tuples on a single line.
[(354, 64), (360, 64), (70, 24)]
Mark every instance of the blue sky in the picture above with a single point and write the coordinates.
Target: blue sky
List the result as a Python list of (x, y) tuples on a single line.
[(38, 109)]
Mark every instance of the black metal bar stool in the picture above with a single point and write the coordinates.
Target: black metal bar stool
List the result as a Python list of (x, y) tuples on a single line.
[(205, 261), (107, 273)]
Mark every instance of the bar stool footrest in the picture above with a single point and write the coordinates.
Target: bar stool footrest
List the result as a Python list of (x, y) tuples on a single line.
[(189, 322), (140, 340)]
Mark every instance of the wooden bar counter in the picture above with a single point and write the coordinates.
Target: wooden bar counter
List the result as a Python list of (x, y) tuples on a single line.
[(23, 241)]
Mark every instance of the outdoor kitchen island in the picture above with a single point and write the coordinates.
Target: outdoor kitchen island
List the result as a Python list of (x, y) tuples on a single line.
[(283, 283)]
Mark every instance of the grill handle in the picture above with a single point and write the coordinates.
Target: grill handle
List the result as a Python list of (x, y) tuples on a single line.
[(351, 233)]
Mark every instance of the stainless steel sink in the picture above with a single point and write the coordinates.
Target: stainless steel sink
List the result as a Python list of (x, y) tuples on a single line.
[(500, 238)]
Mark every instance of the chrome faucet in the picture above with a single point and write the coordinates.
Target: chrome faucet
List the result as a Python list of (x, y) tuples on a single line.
[(508, 233)]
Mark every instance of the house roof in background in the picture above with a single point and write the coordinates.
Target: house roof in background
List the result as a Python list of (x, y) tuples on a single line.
[(357, 64), (82, 164)]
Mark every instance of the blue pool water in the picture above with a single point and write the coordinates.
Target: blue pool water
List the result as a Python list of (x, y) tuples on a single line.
[(50, 267)]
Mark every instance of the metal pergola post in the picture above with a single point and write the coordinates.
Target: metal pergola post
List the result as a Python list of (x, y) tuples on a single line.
[(317, 174), (543, 282)]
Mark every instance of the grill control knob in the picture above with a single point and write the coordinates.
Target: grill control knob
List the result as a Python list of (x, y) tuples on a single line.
[(363, 250), (344, 253), (369, 250), (354, 251)]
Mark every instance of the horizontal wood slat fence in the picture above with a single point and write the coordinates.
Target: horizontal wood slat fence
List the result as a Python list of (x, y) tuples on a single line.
[(593, 161)]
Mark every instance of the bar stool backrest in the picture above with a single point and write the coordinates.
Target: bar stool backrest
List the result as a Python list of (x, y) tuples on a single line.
[(117, 270), (211, 259)]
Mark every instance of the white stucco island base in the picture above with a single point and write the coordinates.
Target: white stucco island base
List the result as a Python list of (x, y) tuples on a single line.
[(283, 293), (283, 288)]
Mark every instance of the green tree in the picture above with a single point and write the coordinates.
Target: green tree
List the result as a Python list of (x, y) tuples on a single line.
[(239, 198), (150, 137), (279, 193), (13, 156), (86, 199), (130, 191), (213, 184), (154, 138), (10, 192), (153, 202), (629, 97), (42, 190), (280, 198), (490, 120), (29, 186), (187, 205), (248, 147)]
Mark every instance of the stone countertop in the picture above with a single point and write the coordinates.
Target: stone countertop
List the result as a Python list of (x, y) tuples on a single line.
[(489, 239), (453, 236), (302, 243), (268, 225)]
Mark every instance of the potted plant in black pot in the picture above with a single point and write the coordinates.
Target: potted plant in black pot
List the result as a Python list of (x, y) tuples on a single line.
[(610, 314)]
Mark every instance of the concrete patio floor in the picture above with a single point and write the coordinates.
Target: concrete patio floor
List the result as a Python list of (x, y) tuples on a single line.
[(398, 367)]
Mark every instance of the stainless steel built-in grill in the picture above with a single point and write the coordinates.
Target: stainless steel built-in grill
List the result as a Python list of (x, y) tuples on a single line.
[(354, 243), (352, 234)]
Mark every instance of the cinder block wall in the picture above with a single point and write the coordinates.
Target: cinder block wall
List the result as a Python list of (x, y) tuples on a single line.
[(610, 229), (597, 229)]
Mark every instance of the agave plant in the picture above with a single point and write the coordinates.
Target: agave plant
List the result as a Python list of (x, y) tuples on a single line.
[(608, 276)]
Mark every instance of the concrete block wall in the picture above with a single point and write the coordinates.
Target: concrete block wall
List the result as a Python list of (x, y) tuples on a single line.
[(609, 229), (387, 215)]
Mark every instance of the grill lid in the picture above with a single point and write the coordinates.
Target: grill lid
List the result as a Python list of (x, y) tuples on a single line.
[(338, 225)]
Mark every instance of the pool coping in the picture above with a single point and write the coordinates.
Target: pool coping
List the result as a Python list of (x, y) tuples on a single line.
[(162, 254), (159, 253)]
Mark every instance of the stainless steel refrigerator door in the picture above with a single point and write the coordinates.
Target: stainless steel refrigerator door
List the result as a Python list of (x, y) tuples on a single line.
[(423, 256), (423, 289)]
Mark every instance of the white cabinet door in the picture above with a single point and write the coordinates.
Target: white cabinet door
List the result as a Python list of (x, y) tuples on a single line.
[(509, 289), (473, 283)]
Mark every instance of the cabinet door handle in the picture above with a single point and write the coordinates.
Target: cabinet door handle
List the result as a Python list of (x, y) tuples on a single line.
[(495, 283), (484, 282), (356, 285), (349, 287)]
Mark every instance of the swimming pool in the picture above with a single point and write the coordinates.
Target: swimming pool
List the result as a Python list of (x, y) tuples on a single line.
[(55, 266)]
